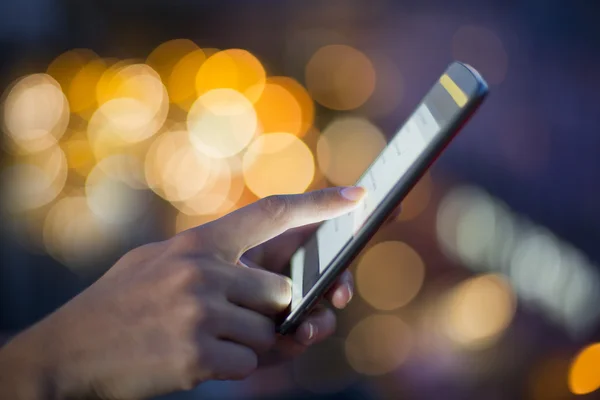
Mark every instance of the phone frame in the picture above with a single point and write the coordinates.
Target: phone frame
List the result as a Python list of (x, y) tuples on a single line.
[(465, 77)]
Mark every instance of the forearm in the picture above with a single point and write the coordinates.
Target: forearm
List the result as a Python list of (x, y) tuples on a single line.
[(24, 374)]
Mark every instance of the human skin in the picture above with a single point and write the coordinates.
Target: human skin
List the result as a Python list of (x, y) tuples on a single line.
[(173, 314)]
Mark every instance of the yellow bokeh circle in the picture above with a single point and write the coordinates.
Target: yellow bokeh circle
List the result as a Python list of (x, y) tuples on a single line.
[(340, 77), (389, 275), (278, 163)]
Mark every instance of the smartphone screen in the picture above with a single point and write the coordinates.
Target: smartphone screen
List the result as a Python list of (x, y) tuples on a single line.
[(447, 106)]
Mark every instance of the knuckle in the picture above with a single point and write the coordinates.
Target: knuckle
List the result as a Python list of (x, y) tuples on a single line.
[(320, 199), (190, 240), (282, 289), (187, 273), (276, 206)]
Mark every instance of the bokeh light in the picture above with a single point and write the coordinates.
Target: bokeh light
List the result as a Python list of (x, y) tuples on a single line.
[(479, 310), (110, 80), (482, 48), (65, 67), (78, 151), (483, 233), (35, 180), (278, 163), (466, 224), (548, 379), (378, 344), (340, 77), (389, 275), (136, 109), (417, 199), (36, 113), (82, 91), (174, 169), (232, 69), (219, 193), (222, 122), (584, 375), (347, 147), (303, 99), (109, 192), (284, 107), (165, 56), (74, 235), (182, 81)]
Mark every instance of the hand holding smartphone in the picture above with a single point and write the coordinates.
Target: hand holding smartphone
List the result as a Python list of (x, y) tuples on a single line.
[(439, 117)]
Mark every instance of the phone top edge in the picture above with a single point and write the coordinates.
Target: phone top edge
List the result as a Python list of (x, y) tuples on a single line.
[(462, 72)]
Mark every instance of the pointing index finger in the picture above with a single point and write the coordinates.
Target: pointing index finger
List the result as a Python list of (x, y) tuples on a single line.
[(269, 217)]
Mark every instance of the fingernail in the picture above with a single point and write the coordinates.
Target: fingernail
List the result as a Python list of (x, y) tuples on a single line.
[(353, 193), (287, 292), (350, 291), (340, 298), (312, 332)]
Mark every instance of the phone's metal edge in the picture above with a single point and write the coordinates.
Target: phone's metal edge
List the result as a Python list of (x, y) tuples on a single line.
[(389, 203)]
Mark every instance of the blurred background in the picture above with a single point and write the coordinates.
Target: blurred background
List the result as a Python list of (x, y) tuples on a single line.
[(125, 122)]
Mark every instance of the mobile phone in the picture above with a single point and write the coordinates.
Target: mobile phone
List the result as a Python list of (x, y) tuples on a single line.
[(439, 117)]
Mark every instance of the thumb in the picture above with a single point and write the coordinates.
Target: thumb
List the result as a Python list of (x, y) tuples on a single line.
[(252, 225)]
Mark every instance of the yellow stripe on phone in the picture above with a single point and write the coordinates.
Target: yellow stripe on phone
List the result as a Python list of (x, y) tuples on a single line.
[(452, 88)]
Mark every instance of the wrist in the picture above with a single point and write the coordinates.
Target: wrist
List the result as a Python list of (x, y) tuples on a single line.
[(26, 368)]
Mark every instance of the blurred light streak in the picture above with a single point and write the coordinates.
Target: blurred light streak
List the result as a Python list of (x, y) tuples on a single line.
[(35, 180), (340, 77), (35, 113), (378, 344), (232, 69), (346, 148), (479, 310), (584, 374), (182, 81), (222, 122), (417, 199), (278, 163), (389, 275), (546, 272), (481, 47)]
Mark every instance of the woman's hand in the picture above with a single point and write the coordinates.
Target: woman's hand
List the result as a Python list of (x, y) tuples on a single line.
[(170, 315)]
